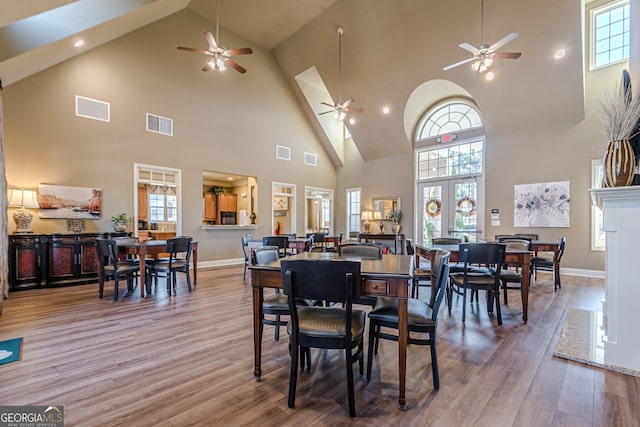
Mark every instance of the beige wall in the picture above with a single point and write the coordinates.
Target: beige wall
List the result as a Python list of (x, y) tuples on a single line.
[(227, 122)]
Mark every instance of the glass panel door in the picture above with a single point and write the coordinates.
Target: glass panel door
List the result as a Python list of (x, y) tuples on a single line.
[(449, 208)]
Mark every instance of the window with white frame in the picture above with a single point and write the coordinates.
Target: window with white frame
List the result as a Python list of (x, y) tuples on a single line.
[(454, 116), (450, 160), (610, 33), (162, 207), (597, 218), (353, 210)]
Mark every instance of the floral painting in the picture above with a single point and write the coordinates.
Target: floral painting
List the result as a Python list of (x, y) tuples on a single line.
[(57, 201), (542, 205)]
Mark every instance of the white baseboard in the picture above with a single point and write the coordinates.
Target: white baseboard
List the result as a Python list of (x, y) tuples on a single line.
[(221, 263), (582, 272)]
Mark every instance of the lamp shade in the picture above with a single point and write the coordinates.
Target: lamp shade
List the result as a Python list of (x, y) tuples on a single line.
[(22, 198), (367, 215)]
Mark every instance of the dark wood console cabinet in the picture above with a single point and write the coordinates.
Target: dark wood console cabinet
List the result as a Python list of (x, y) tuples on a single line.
[(39, 260)]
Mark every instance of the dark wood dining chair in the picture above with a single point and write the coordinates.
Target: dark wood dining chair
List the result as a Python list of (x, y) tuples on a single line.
[(324, 327), (526, 236), (546, 264), (111, 268), (282, 242), (421, 274), (510, 276), (479, 279), (179, 249), (422, 318), (361, 250)]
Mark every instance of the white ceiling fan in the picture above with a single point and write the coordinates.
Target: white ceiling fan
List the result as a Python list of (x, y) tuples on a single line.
[(220, 56), (340, 109), (484, 54)]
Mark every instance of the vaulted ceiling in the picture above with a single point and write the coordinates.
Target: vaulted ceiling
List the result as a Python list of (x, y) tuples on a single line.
[(390, 48)]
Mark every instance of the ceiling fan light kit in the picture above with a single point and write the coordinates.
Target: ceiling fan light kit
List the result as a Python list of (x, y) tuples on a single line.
[(220, 57), (340, 109), (484, 54)]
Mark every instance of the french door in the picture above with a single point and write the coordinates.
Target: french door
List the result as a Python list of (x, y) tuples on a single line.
[(450, 208)]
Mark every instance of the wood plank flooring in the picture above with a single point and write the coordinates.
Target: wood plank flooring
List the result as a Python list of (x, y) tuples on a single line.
[(188, 360)]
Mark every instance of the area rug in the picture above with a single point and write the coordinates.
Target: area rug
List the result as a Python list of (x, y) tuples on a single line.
[(582, 340), (10, 350)]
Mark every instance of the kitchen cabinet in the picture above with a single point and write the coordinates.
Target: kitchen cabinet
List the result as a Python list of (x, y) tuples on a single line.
[(39, 260), (227, 209), (143, 204), (209, 207)]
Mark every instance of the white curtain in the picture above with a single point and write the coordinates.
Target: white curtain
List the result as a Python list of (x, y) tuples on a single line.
[(4, 238)]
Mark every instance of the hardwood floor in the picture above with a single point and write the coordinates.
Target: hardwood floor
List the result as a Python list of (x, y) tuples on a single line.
[(188, 360)]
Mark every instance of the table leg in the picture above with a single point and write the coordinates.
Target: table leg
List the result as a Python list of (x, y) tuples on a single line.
[(257, 326), (524, 288), (402, 351), (194, 254), (143, 272)]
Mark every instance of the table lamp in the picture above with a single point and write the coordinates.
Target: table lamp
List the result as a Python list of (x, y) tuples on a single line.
[(23, 199), (366, 217), (378, 217)]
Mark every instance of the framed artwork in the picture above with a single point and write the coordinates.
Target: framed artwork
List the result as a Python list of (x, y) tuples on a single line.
[(280, 203), (542, 205), (61, 202)]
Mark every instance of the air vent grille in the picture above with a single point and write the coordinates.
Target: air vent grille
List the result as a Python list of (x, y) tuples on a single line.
[(283, 153), (310, 159), (159, 124), (93, 109)]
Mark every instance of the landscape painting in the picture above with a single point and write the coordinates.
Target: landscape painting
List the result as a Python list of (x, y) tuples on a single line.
[(61, 202)]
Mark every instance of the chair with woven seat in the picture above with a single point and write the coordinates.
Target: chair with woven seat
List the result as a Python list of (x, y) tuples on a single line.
[(546, 264), (479, 279), (179, 249), (510, 276), (246, 238), (422, 318), (112, 268), (324, 327)]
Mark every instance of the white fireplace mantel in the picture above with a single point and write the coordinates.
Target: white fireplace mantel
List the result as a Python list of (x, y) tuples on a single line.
[(621, 209)]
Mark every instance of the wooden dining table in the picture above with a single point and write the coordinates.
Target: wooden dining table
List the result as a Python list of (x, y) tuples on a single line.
[(386, 276), (521, 258), (153, 248)]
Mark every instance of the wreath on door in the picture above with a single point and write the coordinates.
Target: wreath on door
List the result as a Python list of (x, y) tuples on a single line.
[(466, 206), (433, 207)]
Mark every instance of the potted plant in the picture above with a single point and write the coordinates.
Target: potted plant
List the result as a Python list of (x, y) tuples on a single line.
[(120, 222), (621, 114), (396, 217)]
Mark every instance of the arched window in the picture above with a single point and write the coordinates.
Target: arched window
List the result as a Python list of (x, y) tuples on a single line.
[(450, 117)]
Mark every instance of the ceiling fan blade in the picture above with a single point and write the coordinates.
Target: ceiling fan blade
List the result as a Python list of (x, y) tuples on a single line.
[(506, 39), (243, 51), (348, 102), (231, 63), (448, 67), (326, 112), (470, 48), (328, 105), (507, 55), (191, 49), (210, 40), (354, 110), (207, 67)]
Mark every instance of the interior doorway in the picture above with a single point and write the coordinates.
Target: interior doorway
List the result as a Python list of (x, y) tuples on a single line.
[(318, 212), (157, 198), (283, 208)]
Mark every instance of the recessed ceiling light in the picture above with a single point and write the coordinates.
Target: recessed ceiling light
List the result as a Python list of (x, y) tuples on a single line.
[(229, 178), (352, 121), (560, 53), (489, 76), (385, 110), (79, 43)]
